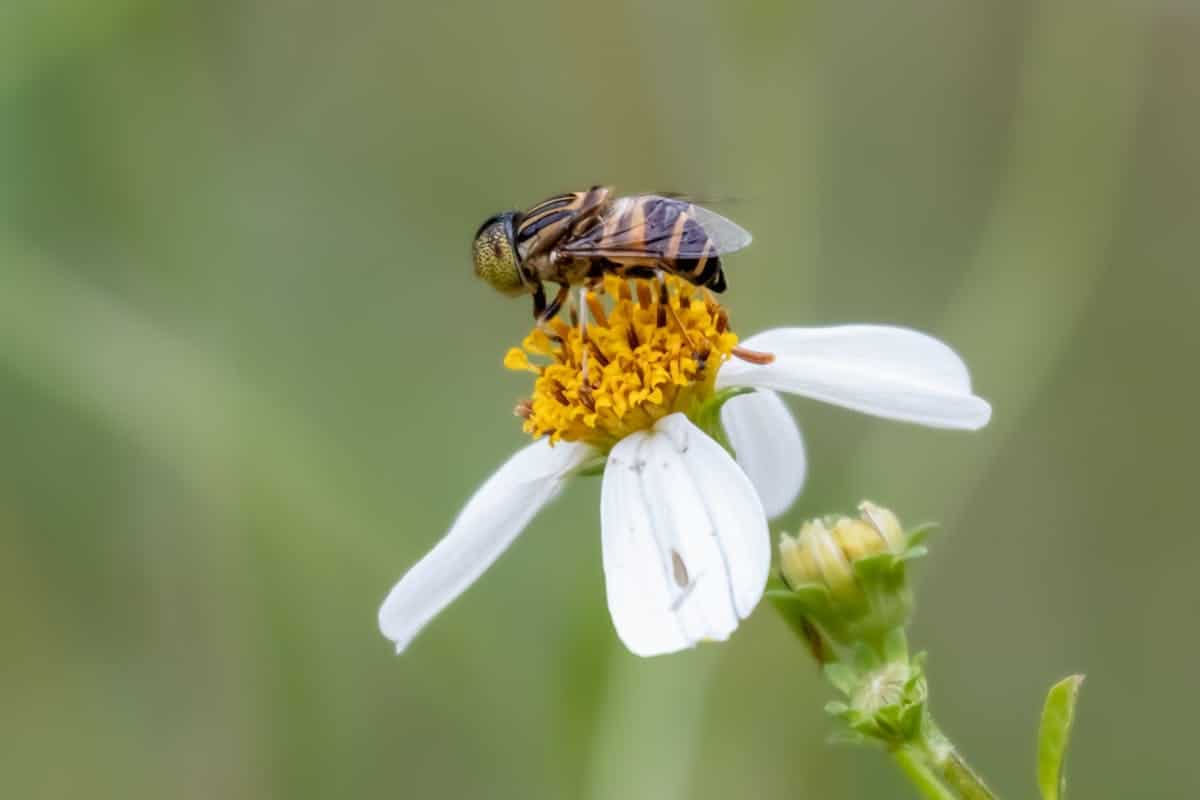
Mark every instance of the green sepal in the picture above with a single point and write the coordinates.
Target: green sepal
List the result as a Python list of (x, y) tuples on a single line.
[(793, 599), (887, 721), (920, 533), (864, 725), (836, 708), (711, 407), (707, 415), (911, 719), (895, 646), (591, 469), (864, 657), (807, 599), (875, 568), (1054, 735), (848, 737), (789, 606), (814, 597), (843, 677), (794, 612)]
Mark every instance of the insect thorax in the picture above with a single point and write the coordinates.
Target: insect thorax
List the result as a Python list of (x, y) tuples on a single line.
[(556, 266)]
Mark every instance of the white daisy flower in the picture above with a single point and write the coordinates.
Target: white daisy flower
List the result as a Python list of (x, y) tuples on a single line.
[(686, 549)]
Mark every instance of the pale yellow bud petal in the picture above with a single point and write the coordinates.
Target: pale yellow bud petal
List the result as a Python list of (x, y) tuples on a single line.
[(789, 560), (884, 521), (835, 569), (858, 539), (796, 562)]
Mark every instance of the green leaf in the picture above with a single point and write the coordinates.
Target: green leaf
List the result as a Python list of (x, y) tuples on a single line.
[(1057, 716)]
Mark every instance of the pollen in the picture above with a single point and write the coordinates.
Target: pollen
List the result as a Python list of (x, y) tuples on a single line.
[(651, 348)]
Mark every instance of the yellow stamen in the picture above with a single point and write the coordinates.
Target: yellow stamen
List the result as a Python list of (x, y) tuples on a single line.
[(517, 359), (646, 360)]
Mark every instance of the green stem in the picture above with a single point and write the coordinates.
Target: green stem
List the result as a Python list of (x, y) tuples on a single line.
[(949, 763), (912, 764)]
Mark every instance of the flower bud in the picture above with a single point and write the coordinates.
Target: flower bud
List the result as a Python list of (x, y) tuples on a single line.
[(886, 701), (815, 555), (848, 573), (885, 686)]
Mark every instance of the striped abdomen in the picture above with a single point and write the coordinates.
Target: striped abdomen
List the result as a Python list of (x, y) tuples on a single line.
[(643, 233)]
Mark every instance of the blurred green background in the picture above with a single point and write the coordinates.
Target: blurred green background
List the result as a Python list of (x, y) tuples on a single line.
[(247, 378)]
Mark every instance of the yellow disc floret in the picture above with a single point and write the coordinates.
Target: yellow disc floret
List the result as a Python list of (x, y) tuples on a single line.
[(651, 352)]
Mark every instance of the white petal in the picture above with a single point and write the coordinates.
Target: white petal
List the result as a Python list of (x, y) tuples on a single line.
[(889, 372), (686, 548), (768, 447), (491, 520)]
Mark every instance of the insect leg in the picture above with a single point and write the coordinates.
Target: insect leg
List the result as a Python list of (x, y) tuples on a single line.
[(539, 302), (549, 311), (583, 321)]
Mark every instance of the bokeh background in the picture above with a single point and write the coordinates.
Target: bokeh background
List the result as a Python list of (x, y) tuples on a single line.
[(246, 379)]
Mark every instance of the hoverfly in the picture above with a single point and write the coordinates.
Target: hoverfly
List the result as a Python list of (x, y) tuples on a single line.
[(574, 239)]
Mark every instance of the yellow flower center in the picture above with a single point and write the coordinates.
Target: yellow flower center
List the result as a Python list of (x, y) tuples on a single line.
[(653, 351)]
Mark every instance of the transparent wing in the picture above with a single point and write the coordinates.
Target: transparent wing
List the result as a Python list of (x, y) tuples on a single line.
[(726, 234), (650, 226)]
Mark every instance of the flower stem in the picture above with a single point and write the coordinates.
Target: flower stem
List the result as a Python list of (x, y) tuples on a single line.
[(912, 764), (949, 763)]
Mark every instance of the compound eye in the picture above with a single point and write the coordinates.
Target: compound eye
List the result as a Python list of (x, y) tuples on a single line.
[(495, 259)]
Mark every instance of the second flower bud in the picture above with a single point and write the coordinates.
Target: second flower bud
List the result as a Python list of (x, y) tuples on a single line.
[(848, 574)]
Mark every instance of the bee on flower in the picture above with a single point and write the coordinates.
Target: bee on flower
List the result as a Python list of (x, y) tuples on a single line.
[(692, 469)]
